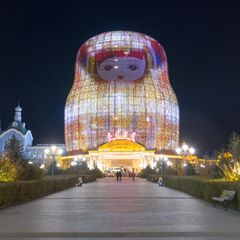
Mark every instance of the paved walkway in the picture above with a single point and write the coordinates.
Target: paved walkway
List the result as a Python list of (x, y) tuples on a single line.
[(108, 209)]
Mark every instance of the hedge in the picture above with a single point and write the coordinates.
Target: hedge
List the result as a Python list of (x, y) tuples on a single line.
[(153, 177), (85, 178), (12, 193), (200, 187), (89, 178)]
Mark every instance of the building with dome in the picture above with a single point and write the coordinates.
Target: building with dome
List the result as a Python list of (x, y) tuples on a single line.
[(34, 153), (18, 130), (121, 110)]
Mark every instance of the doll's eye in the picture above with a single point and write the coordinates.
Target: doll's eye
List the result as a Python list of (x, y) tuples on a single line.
[(107, 67), (133, 67)]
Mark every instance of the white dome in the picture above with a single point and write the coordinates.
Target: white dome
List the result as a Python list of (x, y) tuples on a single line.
[(18, 109)]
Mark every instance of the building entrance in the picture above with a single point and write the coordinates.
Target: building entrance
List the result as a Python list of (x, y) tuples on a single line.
[(121, 153), (126, 166), (122, 163), (118, 153)]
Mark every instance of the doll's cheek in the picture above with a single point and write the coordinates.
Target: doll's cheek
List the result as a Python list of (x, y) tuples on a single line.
[(107, 75), (133, 75)]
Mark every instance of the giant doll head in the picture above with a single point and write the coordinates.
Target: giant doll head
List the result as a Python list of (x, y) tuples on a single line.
[(121, 86)]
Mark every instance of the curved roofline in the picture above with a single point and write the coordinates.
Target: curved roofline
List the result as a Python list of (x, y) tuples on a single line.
[(121, 145), (118, 31), (17, 131)]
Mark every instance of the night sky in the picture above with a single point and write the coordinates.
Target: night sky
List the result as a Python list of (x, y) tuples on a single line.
[(39, 42)]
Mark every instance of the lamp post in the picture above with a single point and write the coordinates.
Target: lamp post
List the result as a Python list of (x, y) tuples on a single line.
[(78, 161), (185, 150), (162, 159), (53, 151)]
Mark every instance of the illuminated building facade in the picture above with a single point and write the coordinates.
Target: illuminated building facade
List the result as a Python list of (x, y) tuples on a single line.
[(121, 91), (16, 129)]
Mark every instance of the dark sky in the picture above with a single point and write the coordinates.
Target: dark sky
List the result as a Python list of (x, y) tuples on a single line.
[(39, 41)]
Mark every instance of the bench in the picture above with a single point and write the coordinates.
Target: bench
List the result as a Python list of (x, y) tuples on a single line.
[(226, 198)]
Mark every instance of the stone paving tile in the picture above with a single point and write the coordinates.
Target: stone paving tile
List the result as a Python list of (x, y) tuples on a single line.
[(108, 209)]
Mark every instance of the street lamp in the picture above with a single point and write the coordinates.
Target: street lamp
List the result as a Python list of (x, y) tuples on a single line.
[(53, 152), (162, 159), (77, 161), (185, 150)]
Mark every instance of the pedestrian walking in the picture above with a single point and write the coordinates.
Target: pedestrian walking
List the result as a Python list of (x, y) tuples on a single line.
[(133, 175), (120, 175), (117, 175)]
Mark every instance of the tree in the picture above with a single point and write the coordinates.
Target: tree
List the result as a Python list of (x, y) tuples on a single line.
[(147, 171), (14, 150), (229, 159), (234, 146), (30, 172), (230, 168), (8, 170), (189, 170), (96, 172), (216, 172)]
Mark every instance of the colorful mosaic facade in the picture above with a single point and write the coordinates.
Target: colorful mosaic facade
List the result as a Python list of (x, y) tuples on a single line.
[(121, 87)]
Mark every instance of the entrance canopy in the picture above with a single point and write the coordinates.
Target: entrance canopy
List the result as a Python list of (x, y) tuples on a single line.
[(121, 153), (121, 145)]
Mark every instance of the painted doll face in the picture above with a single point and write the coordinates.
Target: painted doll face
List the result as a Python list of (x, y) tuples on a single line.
[(121, 68)]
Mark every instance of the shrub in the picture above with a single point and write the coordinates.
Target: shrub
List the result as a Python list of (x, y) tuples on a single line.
[(204, 172), (21, 191), (14, 167), (212, 172), (216, 172), (199, 187), (8, 170), (96, 172), (153, 177), (14, 151), (80, 171), (88, 178), (230, 158), (189, 170), (147, 171), (168, 170), (30, 172), (70, 171)]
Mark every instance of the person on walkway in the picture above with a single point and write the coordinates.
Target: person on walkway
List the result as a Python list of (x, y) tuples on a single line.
[(133, 175), (120, 175), (117, 175)]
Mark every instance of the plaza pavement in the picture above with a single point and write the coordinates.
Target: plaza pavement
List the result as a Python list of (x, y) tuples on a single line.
[(107, 209)]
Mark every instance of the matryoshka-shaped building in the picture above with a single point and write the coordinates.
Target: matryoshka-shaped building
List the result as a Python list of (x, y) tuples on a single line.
[(121, 89)]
